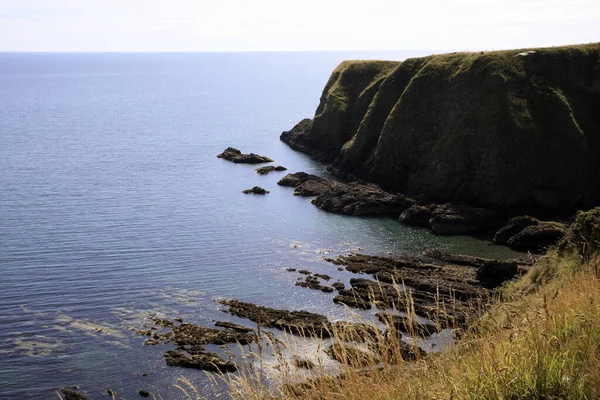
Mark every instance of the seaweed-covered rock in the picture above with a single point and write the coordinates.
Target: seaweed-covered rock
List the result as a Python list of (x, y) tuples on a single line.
[(234, 155)]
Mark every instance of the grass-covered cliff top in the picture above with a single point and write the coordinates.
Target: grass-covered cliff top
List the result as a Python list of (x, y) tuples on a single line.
[(540, 339)]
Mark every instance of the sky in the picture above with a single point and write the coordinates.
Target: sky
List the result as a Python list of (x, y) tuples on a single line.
[(293, 25)]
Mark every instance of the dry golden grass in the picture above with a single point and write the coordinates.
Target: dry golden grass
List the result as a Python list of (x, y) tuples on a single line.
[(540, 340)]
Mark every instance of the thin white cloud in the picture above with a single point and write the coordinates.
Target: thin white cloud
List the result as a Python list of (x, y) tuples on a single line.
[(193, 25)]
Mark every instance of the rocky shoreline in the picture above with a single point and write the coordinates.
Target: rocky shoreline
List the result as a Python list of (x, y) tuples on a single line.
[(417, 295)]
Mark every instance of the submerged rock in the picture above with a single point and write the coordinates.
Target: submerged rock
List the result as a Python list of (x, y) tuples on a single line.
[(269, 168), (256, 190), (234, 155), (70, 394)]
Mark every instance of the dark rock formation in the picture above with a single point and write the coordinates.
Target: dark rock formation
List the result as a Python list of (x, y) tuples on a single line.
[(144, 393), (490, 273), (491, 130), (457, 281), (361, 199), (256, 190), (200, 360), (190, 338), (70, 394), (269, 168), (353, 198), (236, 156), (338, 285), (451, 219), (232, 326), (312, 282), (514, 226), (308, 185), (538, 237), (416, 215), (297, 322)]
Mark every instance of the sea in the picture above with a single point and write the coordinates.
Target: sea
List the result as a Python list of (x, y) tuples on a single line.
[(115, 209)]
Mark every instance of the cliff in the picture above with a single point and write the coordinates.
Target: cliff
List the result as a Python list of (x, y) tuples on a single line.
[(506, 130)]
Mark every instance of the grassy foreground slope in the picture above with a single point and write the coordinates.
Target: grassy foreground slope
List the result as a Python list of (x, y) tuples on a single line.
[(539, 340), (517, 129)]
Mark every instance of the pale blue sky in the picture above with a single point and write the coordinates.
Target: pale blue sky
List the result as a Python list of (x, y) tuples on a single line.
[(234, 25)]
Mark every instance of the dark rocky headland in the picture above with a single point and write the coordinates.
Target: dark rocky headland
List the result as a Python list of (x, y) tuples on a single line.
[(512, 131)]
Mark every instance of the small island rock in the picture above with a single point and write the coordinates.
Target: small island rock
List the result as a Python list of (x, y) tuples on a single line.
[(256, 190), (234, 155)]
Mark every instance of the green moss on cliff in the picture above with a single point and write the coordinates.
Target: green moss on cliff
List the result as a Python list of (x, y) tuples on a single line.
[(505, 129)]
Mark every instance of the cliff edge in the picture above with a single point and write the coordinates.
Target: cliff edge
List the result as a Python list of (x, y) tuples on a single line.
[(505, 130)]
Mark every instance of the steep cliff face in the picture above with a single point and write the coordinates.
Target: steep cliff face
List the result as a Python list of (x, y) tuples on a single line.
[(504, 130)]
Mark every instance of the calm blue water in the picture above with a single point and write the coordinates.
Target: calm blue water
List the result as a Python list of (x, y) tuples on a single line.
[(113, 208)]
